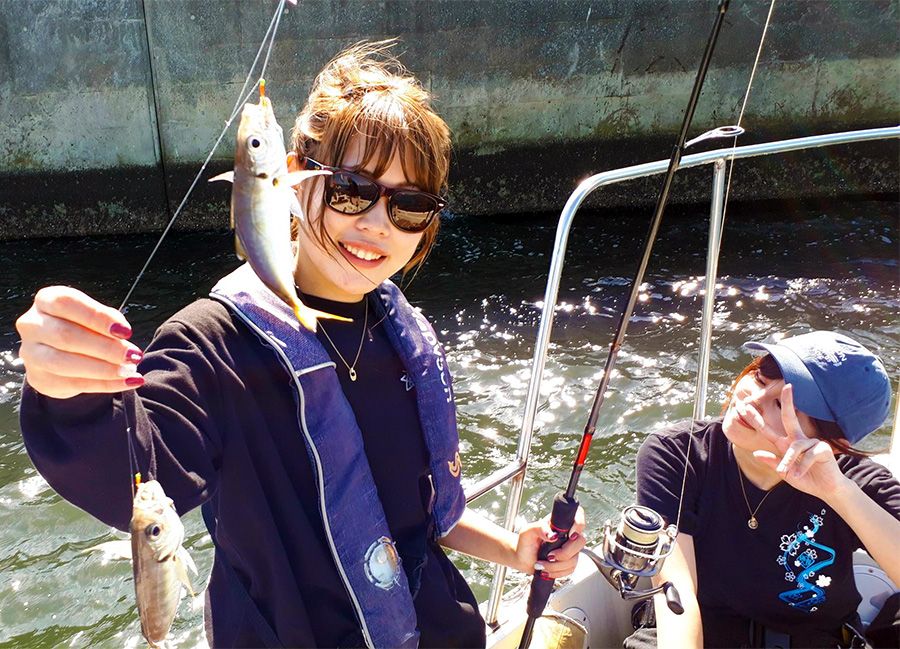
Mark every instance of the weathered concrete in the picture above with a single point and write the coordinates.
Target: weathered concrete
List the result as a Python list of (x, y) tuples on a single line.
[(93, 138)]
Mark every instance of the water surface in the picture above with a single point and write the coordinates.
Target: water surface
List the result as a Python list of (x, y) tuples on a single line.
[(783, 270)]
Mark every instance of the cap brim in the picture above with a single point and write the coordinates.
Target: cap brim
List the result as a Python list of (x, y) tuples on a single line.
[(808, 398)]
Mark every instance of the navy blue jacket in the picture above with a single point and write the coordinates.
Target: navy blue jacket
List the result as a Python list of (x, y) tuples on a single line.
[(215, 421)]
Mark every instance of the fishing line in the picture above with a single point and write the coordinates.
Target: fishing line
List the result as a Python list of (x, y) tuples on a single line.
[(242, 98), (128, 396), (724, 208), (744, 105)]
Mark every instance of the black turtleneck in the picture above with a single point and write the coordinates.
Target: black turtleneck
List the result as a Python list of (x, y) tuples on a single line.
[(385, 407), (384, 402)]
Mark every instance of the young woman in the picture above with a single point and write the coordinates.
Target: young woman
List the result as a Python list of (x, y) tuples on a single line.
[(775, 502), (328, 463)]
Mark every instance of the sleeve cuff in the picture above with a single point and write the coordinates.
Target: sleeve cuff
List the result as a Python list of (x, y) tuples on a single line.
[(69, 411)]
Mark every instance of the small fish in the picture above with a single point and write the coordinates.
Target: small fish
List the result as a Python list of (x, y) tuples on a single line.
[(262, 201), (159, 562)]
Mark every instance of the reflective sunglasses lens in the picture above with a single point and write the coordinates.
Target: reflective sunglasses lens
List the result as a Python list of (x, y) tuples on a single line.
[(350, 193), (412, 211)]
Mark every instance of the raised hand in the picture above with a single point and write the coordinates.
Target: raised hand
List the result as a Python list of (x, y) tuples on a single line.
[(805, 463), (72, 344)]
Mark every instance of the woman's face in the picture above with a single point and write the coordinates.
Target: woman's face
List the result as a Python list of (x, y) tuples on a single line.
[(757, 391), (369, 248)]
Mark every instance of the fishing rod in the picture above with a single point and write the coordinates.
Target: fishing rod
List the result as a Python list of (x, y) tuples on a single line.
[(640, 544)]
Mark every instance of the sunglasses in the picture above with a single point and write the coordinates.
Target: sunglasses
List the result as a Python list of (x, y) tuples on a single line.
[(352, 193)]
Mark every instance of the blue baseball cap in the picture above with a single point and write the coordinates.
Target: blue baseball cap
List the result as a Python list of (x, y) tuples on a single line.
[(834, 379)]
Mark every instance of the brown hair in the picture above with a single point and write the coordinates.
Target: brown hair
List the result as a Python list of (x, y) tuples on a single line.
[(365, 91), (827, 431)]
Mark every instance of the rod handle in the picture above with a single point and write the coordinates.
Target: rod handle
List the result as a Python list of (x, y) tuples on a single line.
[(561, 521)]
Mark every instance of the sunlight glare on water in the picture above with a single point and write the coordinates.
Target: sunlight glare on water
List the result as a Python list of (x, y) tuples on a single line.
[(782, 272)]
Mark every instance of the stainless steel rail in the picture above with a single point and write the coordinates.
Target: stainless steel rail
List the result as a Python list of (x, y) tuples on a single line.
[(516, 470), (716, 220)]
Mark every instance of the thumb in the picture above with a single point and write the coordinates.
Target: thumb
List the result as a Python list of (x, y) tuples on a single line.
[(547, 533)]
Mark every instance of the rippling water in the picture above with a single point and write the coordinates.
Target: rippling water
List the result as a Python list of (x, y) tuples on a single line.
[(783, 270)]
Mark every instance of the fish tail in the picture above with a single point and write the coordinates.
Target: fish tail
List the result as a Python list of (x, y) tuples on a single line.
[(308, 316)]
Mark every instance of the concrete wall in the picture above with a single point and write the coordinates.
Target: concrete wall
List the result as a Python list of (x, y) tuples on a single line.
[(108, 107)]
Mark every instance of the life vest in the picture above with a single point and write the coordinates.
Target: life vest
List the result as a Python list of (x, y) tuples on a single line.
[(353, 519)]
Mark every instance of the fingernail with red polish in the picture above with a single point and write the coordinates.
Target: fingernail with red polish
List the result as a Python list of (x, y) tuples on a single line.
[(119, 330), (551, 558), (552, 536), (134, 356), (134, 381), (573, 536), (545, 575)]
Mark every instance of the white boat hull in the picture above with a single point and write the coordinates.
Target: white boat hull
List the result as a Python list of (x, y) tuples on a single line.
[(589, 599)]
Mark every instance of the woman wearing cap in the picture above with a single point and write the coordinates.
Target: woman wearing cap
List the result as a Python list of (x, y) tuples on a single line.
[(775, 501), (326, 463)]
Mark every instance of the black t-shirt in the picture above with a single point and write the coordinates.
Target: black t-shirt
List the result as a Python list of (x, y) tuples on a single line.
[(383, 400), (794, 573)]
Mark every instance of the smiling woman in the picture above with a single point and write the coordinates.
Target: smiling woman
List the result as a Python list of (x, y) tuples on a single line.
[(327, 464), (772, 508), (370, 114), (371, 247)]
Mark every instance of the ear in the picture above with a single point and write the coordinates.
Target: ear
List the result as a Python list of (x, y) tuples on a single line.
[(293, 162)]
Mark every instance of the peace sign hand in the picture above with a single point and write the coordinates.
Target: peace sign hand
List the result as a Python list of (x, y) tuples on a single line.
[(805, 463)]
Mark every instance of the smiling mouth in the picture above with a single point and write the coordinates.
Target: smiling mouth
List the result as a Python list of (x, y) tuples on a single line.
[(360, 254), (743, 422)]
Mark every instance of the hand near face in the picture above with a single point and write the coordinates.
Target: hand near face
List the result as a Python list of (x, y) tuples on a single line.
[(805, 463)]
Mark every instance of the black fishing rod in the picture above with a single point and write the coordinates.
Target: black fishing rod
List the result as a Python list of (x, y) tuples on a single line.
[(565, 505)]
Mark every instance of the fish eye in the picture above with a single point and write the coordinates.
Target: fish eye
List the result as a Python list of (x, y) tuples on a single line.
[(254, 142), (154, 530)]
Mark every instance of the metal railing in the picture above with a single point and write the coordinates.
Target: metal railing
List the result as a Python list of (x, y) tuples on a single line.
[(515, 471)]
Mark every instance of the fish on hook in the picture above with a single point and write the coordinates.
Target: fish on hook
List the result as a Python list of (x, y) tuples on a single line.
[(160, 563), (262, 202)]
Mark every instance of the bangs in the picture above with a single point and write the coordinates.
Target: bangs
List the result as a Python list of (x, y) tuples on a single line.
[(365, 93), (769, 368), (386, 125)]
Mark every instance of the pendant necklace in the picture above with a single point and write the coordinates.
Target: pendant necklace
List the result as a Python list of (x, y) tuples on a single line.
[(752, 522), (351, 369)]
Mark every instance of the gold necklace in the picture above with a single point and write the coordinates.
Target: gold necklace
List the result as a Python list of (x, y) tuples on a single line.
[(351, 369), (752, 522)]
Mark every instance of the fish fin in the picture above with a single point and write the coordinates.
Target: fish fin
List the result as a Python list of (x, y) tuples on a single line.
[(182, 562), (294, 178), (113, 550), (227, 176), (239, 249), (308, 316), (188, 560), (296, 208)]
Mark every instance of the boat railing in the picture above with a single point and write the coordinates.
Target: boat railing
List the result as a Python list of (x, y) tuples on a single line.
[(515, 471)]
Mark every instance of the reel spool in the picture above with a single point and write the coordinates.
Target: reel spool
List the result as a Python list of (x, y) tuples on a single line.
[(637, 548)]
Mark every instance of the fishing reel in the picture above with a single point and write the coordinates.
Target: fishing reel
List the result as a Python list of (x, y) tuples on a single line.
[(637, 548)]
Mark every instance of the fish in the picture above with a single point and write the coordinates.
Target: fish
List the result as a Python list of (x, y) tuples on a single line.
[(262, 202), (159, 562)]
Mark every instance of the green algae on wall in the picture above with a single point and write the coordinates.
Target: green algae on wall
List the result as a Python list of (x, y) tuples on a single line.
[(538, 94)]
